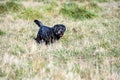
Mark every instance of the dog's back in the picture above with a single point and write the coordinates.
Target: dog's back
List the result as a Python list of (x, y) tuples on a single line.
[(44, 29)]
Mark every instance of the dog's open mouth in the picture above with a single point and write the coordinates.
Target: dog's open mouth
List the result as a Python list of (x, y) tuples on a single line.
[(61, 35)]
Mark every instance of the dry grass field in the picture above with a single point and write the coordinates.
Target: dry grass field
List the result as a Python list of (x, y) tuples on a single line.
[(89, 49)]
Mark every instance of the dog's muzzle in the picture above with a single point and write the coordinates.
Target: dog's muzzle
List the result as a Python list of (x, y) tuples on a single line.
[(60, 33)]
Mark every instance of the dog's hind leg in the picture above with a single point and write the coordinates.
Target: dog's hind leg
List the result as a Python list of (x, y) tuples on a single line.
[(38, 39), (52, 39)]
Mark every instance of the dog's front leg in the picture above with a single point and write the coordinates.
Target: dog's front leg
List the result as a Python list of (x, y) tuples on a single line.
[(47, 42)]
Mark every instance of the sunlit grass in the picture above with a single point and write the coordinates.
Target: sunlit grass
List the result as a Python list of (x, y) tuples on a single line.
[(72, 10), (30, 14), (89, 49), (10, 6), (1, 33)]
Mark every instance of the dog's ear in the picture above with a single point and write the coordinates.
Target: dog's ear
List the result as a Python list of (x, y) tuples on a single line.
[(63, 26), (57, 26)]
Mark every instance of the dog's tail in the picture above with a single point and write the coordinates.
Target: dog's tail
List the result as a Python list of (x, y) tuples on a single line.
[(38, 23)]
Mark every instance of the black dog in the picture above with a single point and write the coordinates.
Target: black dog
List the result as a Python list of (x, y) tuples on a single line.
[(49, 34)]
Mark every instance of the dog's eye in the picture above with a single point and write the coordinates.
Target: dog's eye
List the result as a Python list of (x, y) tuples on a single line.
[(56, 33)]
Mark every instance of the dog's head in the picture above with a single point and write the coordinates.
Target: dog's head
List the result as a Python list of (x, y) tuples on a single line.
[(59, 30)]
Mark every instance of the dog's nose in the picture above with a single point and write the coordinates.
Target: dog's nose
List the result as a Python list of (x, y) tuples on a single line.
[(59, 32)]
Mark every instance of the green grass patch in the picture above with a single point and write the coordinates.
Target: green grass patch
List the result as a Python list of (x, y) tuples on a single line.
[(14, 6), (30, 14), (17, 50), (3, 8), (114, 52), (97, 0), (2, 73), (102, 0), (49, 6), (93, 6), (10, 6), (18, 73), (2, 32), (73, 11)]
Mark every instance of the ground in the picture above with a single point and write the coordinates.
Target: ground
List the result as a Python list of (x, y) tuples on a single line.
[(89, 49)]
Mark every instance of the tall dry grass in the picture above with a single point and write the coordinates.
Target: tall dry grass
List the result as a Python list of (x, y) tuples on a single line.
[(89, 50)]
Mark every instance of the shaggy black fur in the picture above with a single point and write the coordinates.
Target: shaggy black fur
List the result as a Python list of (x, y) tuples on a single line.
[(49, 34)]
